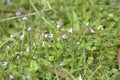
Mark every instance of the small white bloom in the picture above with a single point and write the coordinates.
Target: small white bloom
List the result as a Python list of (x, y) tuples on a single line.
[(21, 37), (18, 13), (12, 37), (70, 31), (62, 36), (4, 63), (61, 64), (29, 29), (18, 56), (59, 26), (34, 44), (45, 36), (35, 56), (91, 30), (80, 78), (24, 18), (11, 76), (50, 35), (86, 24), (27, 49)]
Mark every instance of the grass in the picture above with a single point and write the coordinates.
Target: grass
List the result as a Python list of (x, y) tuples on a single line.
[(35, 49)]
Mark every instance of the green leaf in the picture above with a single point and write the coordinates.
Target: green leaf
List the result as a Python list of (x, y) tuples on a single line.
[(34, 65), (75, 21)]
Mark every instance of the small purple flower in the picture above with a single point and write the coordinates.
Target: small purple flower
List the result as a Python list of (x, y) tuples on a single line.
[(11, 76), (47, 36), (70, 31), (4, 63), (50, 35), (59, 26)]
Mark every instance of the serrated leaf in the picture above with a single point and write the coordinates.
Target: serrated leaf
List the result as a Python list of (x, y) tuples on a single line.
[(34, 65)]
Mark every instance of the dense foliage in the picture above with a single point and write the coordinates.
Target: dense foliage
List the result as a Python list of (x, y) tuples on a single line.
[(76, 37)]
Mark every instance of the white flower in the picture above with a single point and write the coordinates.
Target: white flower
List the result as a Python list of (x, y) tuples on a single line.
[(24, 18), (4, 63), (44, 36), (50, 35), (47, 36), (27, 49), (86, 24), (21, 37), (62, 36), (70, 31), (29, 29), (61, 64), (18, 56), (59, 26), (34, 44), (18, 13), (11, 76), (80, 78), (12, 37), (91, 30), (35, 56)]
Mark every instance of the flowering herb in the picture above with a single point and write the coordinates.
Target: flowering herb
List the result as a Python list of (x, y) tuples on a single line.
[(29, 29), (59, 26), (4, 63), (11, 76), (18, 13), (24, 18), (45, 36), (70, 31), (86, 24)]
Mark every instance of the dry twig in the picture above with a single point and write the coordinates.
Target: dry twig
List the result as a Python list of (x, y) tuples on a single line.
[(58, 73), (118, 56), (16, 17)]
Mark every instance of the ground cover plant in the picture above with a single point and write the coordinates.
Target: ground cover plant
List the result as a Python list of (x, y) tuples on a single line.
[(59, 39)]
